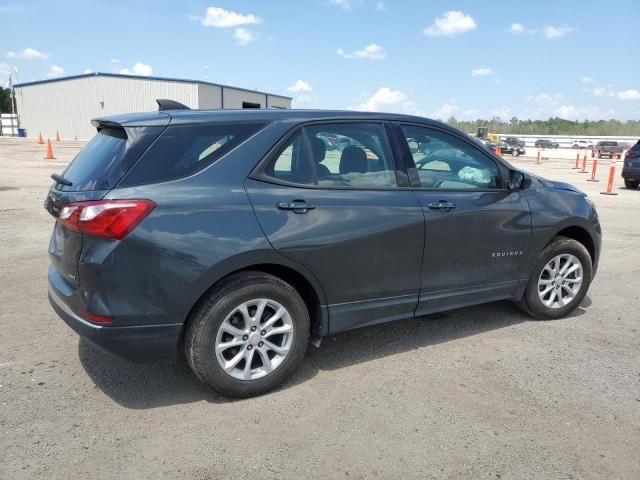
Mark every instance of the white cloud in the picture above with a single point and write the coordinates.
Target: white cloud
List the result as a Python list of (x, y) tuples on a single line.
[(243, 36), (345, 4), (470, 113), (628, 95), (546, 99), (570, 112), (587, 80), (87, 70), (388, 100), (502, 112), (380, 7), (516, 29), (481, 72), (305, 101), (445, 111), (372, 51), (138, 69), (300, 86), (599, 92), (221, 18), (115, 60), (55, 71), (550, 32), (5, 71), (451, 24), (28, 54)]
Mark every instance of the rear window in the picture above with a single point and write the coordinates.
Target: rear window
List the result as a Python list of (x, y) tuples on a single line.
[(182, 150), (608, 144), (107, 157)]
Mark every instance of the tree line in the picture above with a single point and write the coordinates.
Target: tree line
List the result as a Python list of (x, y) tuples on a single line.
[(552, 126)]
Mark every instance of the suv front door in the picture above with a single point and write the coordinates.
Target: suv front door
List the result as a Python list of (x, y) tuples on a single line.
[(335, 207), (477, 232)]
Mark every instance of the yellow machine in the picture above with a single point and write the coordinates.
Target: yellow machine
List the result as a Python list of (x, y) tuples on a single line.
[(483, 134)]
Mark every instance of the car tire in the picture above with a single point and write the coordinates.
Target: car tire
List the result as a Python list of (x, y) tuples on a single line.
[(205, 334), (534, 303), (631, 184)]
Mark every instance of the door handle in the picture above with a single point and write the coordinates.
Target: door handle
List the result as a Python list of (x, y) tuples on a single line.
[(298, 206), (442, 205)]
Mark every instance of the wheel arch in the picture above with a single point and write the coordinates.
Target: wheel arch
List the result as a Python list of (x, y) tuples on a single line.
[(274, 264), (579, 234)]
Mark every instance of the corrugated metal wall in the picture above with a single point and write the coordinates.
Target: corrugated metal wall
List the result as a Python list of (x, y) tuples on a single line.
[(234, 98), (69, 105)]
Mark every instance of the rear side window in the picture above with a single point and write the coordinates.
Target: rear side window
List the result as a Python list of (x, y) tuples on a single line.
[(107, 157), (182, 150)]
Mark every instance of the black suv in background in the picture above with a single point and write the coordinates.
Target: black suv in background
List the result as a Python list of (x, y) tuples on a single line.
[(631, 167), (236, 237), (545, 143)]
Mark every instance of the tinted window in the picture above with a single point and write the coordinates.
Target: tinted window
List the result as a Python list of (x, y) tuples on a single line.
[(107, 157), (346, 155), (182, 150), (444, 162)]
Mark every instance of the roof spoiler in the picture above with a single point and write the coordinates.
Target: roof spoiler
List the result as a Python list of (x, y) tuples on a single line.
[(164, 104)]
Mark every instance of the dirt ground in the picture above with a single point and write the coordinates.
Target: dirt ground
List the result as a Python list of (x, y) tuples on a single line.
[(480, 392)]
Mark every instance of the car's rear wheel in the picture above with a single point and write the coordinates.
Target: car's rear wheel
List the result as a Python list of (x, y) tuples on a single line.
[(559, 281), (248, 336), (633, 184)]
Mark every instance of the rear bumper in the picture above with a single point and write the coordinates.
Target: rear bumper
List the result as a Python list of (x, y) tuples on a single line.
[(145, 343)]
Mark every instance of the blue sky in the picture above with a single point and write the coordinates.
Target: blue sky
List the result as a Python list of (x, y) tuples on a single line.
[(574, 59)]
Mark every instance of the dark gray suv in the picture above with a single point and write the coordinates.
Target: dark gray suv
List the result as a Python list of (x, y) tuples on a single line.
[(237, 237)]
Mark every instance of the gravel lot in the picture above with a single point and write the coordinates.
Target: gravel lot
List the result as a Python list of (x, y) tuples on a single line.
[(480, 392)]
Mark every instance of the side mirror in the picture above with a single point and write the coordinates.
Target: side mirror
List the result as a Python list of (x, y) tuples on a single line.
[(517, 180)]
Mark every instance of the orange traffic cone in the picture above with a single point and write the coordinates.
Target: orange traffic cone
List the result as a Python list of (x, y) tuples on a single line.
[(40, 141), (49, 155), (57, 136)]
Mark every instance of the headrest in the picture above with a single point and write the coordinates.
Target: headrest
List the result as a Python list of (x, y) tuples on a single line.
[(353, 159), (318, 148)]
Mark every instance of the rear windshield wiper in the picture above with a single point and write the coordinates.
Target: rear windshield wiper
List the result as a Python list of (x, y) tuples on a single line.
[(61, 180)]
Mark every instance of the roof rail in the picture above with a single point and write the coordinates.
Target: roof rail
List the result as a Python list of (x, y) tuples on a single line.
[(164, 104)]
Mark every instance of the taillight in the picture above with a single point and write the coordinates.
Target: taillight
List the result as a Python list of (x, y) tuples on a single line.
[(632, 154), (112, 219), (92, 317)]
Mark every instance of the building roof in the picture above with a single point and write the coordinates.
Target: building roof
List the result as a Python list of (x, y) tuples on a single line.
[(141, 77)]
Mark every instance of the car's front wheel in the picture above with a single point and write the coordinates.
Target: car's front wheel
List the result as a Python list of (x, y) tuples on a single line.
[(248, 336), (632, 184), (559, 281)]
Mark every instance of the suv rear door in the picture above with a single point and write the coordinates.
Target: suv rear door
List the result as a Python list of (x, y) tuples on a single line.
[(341, 214), (477, 232)]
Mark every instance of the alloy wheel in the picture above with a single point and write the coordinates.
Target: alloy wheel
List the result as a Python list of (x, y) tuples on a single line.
[(254, 339), (560, 281)]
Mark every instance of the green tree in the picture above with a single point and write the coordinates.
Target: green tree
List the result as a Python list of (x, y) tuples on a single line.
[(5, 100)]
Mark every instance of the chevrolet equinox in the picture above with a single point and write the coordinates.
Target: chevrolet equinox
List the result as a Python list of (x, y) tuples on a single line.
[(236, 238)]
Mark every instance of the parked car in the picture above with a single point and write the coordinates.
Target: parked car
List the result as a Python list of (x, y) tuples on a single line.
[(514, 142), (582, 144), (606, 149), (545, 143), (232, 238), (507, 149), (631, 167)]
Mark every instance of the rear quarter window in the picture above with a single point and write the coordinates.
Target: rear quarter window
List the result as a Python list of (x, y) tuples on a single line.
[(182, 150)]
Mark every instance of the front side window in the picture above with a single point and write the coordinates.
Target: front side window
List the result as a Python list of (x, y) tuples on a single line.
[(343, 155), (444, 162)]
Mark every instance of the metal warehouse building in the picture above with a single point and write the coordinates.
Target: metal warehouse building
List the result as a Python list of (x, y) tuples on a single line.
[(67, 104)]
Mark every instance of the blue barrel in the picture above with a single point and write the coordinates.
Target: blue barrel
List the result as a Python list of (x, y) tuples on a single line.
[(22, 132)]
